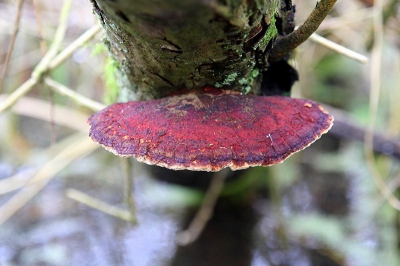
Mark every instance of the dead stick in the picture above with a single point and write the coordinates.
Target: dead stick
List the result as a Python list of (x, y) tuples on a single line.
[(12, 43), (283, 46), (205, 212), (347, 127)]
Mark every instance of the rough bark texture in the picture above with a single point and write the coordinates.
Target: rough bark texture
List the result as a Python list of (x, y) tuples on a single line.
[(163, 46)]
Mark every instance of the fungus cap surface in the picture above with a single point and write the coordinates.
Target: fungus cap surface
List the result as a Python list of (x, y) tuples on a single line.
[(210, 129)]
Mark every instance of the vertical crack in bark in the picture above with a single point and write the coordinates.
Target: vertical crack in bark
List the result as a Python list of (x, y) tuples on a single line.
[(255, 36), (164, 79), (171, 47)]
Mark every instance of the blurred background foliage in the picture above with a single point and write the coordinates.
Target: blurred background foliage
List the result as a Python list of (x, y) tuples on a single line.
[(320, 207)]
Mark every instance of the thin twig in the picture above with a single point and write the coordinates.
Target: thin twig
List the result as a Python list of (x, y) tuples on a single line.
[(59, 59), (70, 49), (283, 46), (339, 48), (37, 108), (347, 127), (53, 134), (204, 214), (23, 62), (21, 179), (82, 147), (78, 98), (43, 65), (18, 93), (12, 43), (43, 46), (16, 181), (99, 205), (376, 61), (129, 200)]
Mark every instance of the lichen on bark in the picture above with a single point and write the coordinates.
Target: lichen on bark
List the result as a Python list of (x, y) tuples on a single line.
[(164, 46)]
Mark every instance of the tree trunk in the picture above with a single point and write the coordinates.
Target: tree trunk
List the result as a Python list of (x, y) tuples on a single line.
[(164, 46)]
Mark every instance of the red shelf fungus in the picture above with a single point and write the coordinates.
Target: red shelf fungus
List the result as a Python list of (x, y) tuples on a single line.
[(210, 129)]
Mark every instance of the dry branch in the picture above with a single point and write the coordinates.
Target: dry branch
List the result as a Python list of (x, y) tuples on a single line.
[(288, 43)]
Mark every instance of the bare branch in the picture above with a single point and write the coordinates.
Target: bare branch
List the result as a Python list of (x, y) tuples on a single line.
[(78, 98), (11, 47), (99, 205), (205, 212), (347, 127), (286, 44), (82, 147), (339, 48), (56, 61)]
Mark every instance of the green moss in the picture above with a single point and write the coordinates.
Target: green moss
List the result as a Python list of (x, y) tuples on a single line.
[(271, 33), (112, 88), (218, 85), (255, 73), (230, 78), (98, 49), (242, 81), (109, 76), (247, 82)]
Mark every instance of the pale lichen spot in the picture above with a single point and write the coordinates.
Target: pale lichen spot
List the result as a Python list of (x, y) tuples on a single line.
[(187, 99)]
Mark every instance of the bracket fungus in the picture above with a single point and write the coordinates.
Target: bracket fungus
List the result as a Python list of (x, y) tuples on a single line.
[(210, 129)]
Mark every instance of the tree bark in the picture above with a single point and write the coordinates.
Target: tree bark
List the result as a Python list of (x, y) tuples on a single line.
[(165, 46)]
